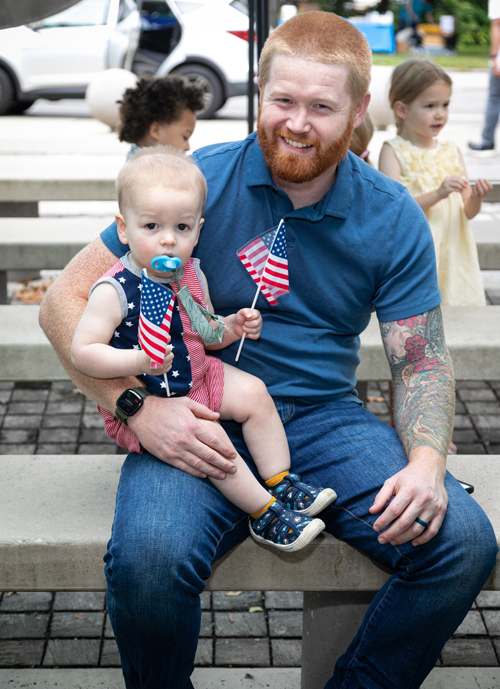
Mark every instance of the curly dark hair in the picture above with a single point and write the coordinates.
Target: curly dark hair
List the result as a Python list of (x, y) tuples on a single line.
[(156, 99)]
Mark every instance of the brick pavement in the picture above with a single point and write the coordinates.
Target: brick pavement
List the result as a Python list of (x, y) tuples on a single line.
[(72, 629)]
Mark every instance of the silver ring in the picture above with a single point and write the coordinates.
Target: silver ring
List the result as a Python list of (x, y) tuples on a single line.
[(421, 522)]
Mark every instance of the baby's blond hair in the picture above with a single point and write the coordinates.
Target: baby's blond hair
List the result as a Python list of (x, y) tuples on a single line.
[(159, 165)]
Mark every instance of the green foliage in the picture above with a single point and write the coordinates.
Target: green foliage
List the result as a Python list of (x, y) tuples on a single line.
[(472, 19)]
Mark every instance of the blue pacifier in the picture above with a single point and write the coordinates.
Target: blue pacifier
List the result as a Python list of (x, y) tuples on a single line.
[(166, 263)]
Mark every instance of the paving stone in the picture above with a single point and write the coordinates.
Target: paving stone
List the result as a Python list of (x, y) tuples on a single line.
[(242, 652), (491, 435), (22, 626), (62, 392), (460, 408), (473, 624), (22, 421), (284, 600), (4, 396), (479, 395), (58, 435), (467, 435), (23, 449), (377, 407), (95, 435), (72, 407), (19, 436), (487, 421), (285, 623), (206, 600), (108, 629), (6, 384), (56, 449), (471, 449), (79, 600), (26, 408), (70, 652), (488, 599), (21, 653), (97, 449), (82, 624), (33, 385), (92, 421), (24, 395), (22, 602), (492, 621), (483, 407), (493, 449), (496, 644), (469, 652), (110, 656), (243, 601), (204, 653), (462, 422), (206, 624), (287, 652), (62, 420), (471, 385), (240, 624)]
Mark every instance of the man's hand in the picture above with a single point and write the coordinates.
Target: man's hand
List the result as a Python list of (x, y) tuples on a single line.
[(248, 321), (170, 430), (416, 491)]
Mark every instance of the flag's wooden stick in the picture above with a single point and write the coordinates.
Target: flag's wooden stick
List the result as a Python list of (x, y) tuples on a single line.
[(252, 307)]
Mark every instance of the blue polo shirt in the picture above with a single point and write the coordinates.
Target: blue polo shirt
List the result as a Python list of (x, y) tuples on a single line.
[(365, 246)]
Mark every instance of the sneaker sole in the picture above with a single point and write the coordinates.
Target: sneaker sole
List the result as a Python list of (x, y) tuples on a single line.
[(325, 498), (309, 533)]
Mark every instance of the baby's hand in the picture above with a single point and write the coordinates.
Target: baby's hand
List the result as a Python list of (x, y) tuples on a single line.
[(146, 364), (248, 321), (451, 184), (482, 188)]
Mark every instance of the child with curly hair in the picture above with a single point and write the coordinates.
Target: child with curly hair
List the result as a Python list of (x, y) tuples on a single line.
[(160, 110)]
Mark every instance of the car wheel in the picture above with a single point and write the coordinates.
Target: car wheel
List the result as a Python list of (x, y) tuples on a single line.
[(20, 106), (210, 82), (6, 92)]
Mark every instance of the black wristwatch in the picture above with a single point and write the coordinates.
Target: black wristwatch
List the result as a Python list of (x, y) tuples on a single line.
[(130, 402)]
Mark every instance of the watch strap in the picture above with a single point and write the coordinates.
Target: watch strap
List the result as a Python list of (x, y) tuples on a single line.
[(120, 414)]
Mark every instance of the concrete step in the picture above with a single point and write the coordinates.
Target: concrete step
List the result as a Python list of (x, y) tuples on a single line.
[(241, 678)]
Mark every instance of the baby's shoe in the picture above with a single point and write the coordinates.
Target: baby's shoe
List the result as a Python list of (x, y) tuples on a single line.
[(290, 490), (284, 529)]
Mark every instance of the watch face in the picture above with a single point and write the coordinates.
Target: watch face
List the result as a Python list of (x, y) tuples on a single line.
[(129, 402)]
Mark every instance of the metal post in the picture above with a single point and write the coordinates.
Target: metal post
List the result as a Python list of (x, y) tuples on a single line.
[(251, 64)]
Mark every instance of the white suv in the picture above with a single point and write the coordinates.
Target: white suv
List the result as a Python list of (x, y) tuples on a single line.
[(57, 57)]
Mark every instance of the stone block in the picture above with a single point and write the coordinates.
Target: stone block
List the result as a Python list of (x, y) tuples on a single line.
[(483, 394), (284, 600), (240, 624), (471, 385), (204, 653), (24, 449), (21, 653), (23, 626), (62, 391), (462, 422), (206, 600), (58, 435), (22, 421), (469, 653), (285, 623), (26, 407), (483, 407), (108, 629), (79, 600), (92, 421), (69, 652), (97, 449), (26, 395), (471, 449), (487, 421), (26, 602), (66, 420), (460, 408), (95, 435), (377, 408), (6, 384), (56, 449), (82, 624), (19, 436), (110, 656), (206, 624), (492, 621), (242, 652), (287, 652), (488, 599), (467, 435), (73, 407), (242, 601), (472, 625)]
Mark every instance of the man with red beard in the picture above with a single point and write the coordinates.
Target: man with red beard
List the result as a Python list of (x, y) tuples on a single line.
[(356, 242)]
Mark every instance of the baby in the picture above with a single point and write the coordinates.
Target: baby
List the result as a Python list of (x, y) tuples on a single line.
[(161, 197)]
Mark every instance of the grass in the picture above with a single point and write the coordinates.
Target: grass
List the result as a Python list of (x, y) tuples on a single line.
[(469, 57)]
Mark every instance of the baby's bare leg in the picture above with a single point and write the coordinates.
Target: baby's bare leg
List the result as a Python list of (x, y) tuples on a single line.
[(247, 401), (241, 488)]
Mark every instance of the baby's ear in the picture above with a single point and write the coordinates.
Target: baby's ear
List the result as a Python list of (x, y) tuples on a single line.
[(122, 229)]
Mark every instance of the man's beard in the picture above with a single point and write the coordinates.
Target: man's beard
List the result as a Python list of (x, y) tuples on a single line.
[(292, 167)]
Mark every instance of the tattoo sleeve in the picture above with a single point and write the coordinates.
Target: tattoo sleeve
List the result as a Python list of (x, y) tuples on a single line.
[(423, 382)]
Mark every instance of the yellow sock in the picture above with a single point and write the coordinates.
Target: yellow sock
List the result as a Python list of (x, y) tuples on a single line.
[(276, 479), (256, 515)]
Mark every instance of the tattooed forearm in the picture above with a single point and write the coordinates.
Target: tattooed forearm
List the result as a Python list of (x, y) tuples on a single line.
[(422, 376)]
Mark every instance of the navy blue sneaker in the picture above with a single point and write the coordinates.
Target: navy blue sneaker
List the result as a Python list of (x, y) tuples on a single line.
[(284, 529), (300, 497)]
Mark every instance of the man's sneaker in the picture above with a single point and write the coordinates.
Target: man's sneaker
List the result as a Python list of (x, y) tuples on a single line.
[(284, 529), (481, 147), (300, 497)]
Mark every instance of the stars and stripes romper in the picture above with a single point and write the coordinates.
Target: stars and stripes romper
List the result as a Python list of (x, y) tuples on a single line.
[(194, 374)]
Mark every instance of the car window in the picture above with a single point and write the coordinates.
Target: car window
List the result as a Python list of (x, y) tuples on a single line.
[(84, 13), (240, 5)]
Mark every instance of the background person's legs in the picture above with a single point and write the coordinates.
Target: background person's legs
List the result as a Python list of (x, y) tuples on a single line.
[(492, 111)]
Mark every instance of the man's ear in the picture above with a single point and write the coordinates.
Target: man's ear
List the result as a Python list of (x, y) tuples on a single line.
[(122, 229), (361, 109), (400, 109)]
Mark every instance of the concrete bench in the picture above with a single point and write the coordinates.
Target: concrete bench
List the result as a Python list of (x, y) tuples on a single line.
[(472, 335), (55, 519)]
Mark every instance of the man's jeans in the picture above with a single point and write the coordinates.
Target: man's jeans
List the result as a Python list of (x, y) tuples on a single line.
[(492, 110), (170, 526)]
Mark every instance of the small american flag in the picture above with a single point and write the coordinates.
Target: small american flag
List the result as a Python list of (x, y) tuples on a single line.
[(266, 260), (157, 305)]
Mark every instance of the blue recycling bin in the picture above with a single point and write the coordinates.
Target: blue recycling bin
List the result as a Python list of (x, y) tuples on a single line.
[(380, 37)]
